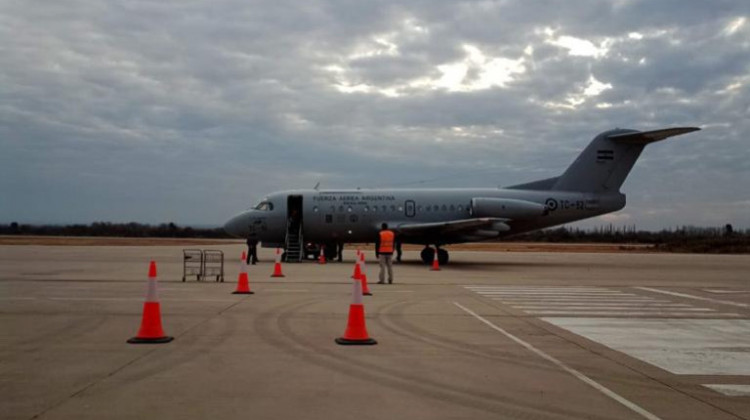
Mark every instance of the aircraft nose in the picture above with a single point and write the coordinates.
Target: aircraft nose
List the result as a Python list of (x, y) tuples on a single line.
[(236, 226)]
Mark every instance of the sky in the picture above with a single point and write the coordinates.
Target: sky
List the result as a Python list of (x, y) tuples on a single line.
[(190, 111)]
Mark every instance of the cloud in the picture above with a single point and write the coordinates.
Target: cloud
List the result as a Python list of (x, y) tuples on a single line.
[(188, 111)]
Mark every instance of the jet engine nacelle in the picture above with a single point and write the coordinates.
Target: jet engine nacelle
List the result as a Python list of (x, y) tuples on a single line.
[(505, 208)]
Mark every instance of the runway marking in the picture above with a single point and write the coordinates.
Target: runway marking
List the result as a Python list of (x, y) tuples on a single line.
[(529, 308), (596, 301), (730, 390), (722, 291), (685, 295), (671, 314), (679, 346), (600, 304), (599, 387)]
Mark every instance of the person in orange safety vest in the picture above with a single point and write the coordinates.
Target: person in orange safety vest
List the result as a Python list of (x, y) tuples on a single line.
[(384, 247)]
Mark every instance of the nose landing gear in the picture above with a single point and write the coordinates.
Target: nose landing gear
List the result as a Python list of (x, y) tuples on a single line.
[(428, 254)]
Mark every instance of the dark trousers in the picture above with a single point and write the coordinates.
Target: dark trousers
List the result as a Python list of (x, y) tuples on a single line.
[(252, 254)]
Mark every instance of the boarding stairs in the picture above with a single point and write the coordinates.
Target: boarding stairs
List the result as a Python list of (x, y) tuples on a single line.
[(293, 244)]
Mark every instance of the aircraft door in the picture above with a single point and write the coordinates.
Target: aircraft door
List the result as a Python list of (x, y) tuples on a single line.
[(410, 208), (294, 213)]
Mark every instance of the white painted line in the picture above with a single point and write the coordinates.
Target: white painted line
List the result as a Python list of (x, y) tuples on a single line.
[(722, 291), (615, 308), (18, 298), (599, 387), (605, 304), (730, 390), (545, 290), (723, 302), (538, 287), (579, 299), (562, 294), (629, 313)]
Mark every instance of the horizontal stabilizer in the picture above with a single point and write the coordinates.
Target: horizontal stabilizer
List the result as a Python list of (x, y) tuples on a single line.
[(646, 137)]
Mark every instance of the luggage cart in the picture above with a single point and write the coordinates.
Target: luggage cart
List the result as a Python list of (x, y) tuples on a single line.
[(213, 264), (192, 263)]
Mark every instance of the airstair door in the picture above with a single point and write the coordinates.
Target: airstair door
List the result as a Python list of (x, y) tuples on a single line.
[(294, 240)]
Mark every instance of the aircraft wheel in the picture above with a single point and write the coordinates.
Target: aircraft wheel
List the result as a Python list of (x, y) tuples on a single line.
[(442, 256), (428, 254)]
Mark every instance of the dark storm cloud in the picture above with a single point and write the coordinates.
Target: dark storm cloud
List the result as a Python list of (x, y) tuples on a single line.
[(189, 111)]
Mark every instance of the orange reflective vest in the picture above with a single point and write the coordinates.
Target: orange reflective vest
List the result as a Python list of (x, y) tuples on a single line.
[(386, 242)]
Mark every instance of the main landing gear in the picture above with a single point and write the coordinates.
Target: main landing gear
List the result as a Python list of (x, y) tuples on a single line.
[(428, 254)]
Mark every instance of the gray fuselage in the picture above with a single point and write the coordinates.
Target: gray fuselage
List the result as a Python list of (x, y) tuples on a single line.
[(346, 216)]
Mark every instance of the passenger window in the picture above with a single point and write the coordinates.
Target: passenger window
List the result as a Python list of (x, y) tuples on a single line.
[(436, 207), (428, 208), (384, 208), (444, 208), (366, 209), (393, 208), (333, 209), (419, 207), (400, 208), (341, 209), (453, 208), (349, 209), (315, 209), (460, 208)]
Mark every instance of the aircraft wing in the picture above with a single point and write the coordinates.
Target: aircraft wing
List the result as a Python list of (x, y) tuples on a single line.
[(453, 226), (646, 137)]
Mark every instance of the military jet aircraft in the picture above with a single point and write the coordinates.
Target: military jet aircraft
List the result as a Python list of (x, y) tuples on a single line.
[(589, 187)]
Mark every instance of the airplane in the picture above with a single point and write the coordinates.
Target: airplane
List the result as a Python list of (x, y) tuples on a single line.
[(589, 187)]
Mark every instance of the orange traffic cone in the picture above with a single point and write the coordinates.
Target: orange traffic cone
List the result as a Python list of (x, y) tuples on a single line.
[(365, 289), (243, 283), (363, 277), (151, 331), (322, 258), (435, 263), (357, 269), (277, 267), (356, 331)]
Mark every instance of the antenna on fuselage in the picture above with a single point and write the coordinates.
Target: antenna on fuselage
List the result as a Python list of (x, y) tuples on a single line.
[(316, 186)]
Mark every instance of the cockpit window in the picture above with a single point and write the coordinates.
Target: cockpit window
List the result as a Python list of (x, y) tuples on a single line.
[(264, 206)]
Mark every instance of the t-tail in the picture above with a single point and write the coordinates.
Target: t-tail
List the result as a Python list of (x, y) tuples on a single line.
[(605, 164)]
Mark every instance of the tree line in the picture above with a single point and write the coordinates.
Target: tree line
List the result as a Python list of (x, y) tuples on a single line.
[(724, 239), (125, 230)]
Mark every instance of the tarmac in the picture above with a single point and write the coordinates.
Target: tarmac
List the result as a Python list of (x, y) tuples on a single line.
[(490, 336)]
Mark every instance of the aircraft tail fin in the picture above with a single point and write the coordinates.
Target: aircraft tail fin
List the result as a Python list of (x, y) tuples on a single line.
[(608, 159)]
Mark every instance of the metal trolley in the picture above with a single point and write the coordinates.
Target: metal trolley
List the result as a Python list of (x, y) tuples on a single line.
[(213, 264), (192, 263)]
